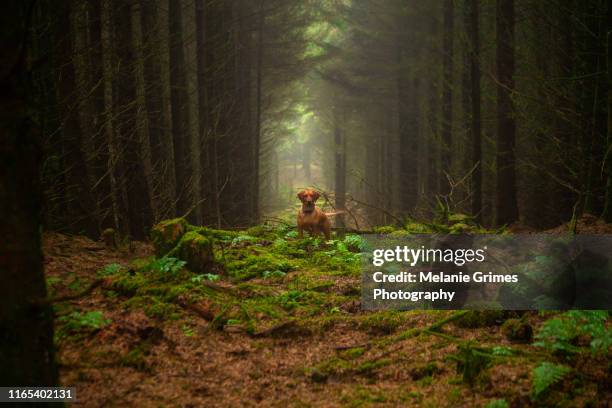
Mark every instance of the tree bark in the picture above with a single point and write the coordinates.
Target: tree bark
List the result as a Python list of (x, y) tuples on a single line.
[(109, 131), (178, 101), (447, 96), (26, 330), (507, 207), (475, 125), (142, 116)]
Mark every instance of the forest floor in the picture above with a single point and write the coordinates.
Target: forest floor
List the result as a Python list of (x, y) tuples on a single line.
[(278, 322)]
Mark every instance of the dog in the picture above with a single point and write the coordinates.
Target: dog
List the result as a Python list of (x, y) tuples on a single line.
[(310, 218)]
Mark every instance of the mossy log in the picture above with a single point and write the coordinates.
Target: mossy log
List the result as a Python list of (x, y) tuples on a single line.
[(166, 235)]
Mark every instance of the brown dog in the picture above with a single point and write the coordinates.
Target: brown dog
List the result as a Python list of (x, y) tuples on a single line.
[(310, 218)]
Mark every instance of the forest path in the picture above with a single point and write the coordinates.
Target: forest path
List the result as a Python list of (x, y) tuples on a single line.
[(309, 344)]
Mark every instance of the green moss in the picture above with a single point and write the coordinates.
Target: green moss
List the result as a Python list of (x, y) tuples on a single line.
[(353, 353), (362, 396), (153, 307), (418, 228), (387, 229), (253, 263), (220, 235), (195, 249), (456, 218), (334, 366), (369, 367), (461, 228), (381, 322), (480, 318), (166, 234)]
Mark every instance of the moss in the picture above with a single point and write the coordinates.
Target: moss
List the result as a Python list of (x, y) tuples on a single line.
[(480, 318), (353, 353), (399, 234), (166, 234), (362, 396), (253, 263), (154, 307), (381, 322), (457, 218), (517, 330), (418, 228), (129, 284), (461, 228), (387, 229), (195, 249), (369, 367), (334, 366), (221, 235)]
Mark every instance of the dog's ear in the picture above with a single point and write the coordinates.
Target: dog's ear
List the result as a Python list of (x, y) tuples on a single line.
[(315, 195), (300, 195)]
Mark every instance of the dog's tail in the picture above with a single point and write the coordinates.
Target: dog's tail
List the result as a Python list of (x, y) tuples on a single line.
[(331, 214)]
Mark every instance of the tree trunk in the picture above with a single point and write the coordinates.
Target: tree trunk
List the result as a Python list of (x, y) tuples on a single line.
[(78, 199), (192, 98), (340, 164), (157, 79), (447, 96), (258, 92), (142, 116), (178, 101), (26, 329), (475, 125), (109, 131), (507, 207)]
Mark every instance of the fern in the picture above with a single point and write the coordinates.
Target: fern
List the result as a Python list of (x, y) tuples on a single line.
[(558, 334), (167, 265), (547, 374)]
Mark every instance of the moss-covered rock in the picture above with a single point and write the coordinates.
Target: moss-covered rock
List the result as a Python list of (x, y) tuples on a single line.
[(166, 235), (195, 249), (517, 330)]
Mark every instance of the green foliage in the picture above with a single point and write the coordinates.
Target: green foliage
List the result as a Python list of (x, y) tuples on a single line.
[(206, 276), (381, 322), (81, 323), (187, 330), (166, 265), (498, 403), (387, 229), (547, 374), (559, 334), (291, 299), (354, 242), (502, 351), (51, 282), (243, 238), (110, 269), (273, 274)]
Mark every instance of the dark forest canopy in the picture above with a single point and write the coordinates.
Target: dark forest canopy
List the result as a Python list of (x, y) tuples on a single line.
[(221, 110)]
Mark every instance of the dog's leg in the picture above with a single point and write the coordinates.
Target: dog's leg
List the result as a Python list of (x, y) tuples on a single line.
[(327, 232)]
